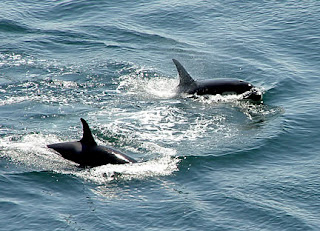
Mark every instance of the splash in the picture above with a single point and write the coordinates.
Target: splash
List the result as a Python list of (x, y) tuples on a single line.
[(31, 151), (146, 81)]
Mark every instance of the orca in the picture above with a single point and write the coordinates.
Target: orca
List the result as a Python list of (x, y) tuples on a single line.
[(188, 85), (87, 153)]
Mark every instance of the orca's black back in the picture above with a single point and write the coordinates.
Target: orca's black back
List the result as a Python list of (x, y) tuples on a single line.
[(220, 86)]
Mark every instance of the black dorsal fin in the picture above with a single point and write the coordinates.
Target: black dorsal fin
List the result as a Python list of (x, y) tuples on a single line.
[(87, 135), (185, 78)]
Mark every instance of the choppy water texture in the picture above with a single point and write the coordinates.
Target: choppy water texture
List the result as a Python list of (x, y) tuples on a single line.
[(213, 163)]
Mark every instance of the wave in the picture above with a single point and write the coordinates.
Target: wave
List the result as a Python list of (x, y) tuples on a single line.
[(69, 10), (11, 26)]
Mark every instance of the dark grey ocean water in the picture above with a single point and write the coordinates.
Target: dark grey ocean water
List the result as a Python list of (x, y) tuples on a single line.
[(212, 163)]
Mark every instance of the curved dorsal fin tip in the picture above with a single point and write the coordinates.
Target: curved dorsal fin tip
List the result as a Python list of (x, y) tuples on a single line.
[(185, 78), (87, 137)]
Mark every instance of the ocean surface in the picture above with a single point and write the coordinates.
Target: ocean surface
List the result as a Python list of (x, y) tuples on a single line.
[(211, 163)]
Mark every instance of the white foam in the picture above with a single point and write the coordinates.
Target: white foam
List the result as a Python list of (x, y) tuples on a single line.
[(163, 166), (161, 124), (210, 99), (15, 60)]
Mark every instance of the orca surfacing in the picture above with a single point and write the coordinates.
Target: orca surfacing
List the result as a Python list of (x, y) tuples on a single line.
[(215, 86), (87, 153)]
